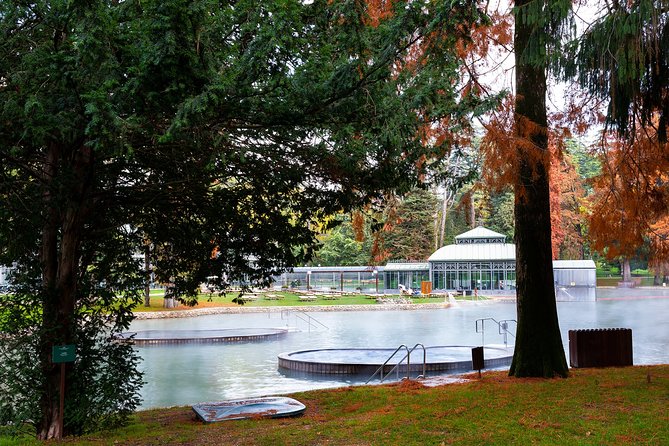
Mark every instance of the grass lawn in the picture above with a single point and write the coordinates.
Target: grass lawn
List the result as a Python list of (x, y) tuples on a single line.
[(288, 299), (613, 281), (610, 406)]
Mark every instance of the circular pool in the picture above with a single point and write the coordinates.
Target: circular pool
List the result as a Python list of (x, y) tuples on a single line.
[(358, 361), (148, 337)]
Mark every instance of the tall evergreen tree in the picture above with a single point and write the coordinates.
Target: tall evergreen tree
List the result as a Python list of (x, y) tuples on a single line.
[(538, 350), (409, 231), (220, 131)]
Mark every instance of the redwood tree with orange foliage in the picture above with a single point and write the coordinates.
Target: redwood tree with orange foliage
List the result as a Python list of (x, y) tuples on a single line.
[(658, 261), (517, 144), (632, 75), (630, 203), (568, 197)]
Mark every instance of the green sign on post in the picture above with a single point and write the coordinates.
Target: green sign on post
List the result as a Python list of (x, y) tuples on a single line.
[(63, 353)]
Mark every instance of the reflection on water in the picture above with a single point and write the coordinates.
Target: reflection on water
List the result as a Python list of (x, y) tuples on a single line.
[(189, 374)]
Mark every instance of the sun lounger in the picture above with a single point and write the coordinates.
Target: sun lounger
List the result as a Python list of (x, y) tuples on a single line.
[(308, 298), (331, 296)]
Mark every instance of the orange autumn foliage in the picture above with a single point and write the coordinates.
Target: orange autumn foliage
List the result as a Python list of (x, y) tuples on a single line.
[(659, 247), (567, 198), (503, 147), (631, 195), (358, 224), (378, 10), (556, 175), (474, 46)]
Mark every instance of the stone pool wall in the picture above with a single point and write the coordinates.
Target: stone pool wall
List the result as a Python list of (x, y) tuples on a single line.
[(242, 309)]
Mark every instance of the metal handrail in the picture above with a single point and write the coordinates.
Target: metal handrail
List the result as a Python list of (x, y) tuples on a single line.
[(301, 315), (502, 328), (396, 366), (424, 360), (380, 369)]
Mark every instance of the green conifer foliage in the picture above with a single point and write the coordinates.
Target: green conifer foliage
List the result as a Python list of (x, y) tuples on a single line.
[(623, 57), (220, 133)]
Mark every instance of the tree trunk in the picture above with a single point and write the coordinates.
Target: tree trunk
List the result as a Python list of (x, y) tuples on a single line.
[(626, 270), (49, 408), (538, 350), (446, 205), (437, 231), (168, 300), (147, 272), (49, 403), (60, 259)]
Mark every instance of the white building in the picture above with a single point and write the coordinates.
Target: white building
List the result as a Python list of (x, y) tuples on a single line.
[(481, 260)]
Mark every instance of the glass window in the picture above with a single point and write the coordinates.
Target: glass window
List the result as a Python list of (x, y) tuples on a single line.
[(391, 280), (438, 280), (498, 280), (485, 280), (511, 280), (463, 281)]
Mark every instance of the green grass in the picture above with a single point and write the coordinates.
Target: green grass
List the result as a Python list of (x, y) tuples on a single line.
[(610, 406), (613, 281), (288, 300)]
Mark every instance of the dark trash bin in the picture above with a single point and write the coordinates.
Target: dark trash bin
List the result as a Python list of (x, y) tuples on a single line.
[(478, 362), (607, 347)]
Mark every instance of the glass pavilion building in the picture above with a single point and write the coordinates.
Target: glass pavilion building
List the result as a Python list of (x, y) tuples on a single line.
[(480, 259)]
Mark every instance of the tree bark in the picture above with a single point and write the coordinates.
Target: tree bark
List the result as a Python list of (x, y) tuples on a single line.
[(472, 212), (168, 300), (538, 350), (147, 272), (60, 259), (49, 407), (446, 205), (626, 270)]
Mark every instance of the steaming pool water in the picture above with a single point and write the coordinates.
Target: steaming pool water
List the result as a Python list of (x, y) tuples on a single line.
[(186, 374)]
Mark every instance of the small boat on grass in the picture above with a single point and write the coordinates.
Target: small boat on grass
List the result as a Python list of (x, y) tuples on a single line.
[(265, 407)]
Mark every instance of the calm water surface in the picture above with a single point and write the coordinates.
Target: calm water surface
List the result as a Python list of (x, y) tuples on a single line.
[(189, 374)]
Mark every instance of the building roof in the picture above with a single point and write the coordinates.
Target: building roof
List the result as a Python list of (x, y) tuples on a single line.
[(478, 233), (474, 251), (407, 266), (337, 269), (573, 264)]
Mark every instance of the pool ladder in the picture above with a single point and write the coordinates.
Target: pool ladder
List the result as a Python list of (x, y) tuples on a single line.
[(502, 328), (304, 317), (396, 368)]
